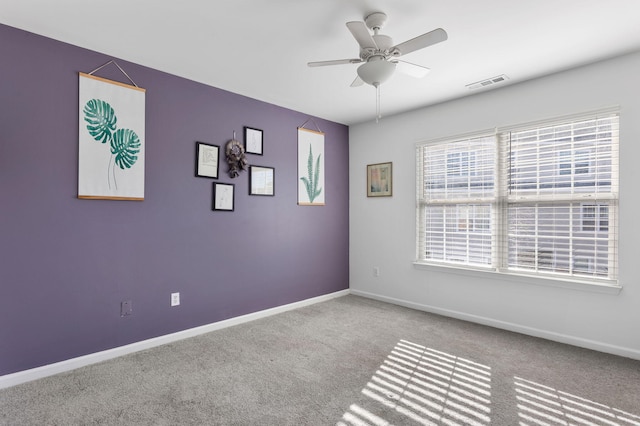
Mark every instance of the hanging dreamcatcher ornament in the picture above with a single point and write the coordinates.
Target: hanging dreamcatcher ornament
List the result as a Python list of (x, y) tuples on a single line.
[(236, 159)]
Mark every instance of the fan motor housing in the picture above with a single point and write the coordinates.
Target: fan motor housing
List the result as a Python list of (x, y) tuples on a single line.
[(384, 42), (376, 20)]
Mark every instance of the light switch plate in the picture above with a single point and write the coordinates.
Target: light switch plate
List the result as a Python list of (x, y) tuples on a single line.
[(175, 299)]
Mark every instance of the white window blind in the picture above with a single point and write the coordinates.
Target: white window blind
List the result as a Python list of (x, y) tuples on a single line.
[(456, 190), (561, 194), (537, 199)]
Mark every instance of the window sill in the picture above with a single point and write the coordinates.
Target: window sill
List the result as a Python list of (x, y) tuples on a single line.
[(571, 284)]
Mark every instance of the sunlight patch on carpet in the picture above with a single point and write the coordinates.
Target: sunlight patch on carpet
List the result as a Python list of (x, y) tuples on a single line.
[(427, 386), (543, 405)]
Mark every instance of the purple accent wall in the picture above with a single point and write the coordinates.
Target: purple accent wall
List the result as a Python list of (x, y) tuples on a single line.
[(66, 264)]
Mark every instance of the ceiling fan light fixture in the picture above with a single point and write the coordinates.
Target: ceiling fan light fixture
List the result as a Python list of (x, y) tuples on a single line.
[(376, 72)]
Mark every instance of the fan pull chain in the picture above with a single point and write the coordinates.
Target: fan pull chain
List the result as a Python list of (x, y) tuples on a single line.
[(378, 115)]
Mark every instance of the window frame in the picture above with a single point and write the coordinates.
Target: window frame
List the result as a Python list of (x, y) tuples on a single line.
[(499, 210)]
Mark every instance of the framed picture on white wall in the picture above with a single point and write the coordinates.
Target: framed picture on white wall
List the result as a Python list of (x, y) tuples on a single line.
[(380, 180)]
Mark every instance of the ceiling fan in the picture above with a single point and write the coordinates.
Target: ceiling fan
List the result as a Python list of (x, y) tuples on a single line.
[(378, 54)]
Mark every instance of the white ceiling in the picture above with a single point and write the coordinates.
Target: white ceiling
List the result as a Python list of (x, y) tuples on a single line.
[(260, 48)]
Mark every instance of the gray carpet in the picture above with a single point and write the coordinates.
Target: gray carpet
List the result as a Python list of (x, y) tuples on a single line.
[(349, 361)]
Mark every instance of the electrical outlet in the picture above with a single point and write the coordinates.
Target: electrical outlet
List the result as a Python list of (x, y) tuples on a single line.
[(175, 299), (126, 308), (376, 271)]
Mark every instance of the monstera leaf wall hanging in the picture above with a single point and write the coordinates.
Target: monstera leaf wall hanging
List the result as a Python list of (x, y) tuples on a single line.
[(111, 145)]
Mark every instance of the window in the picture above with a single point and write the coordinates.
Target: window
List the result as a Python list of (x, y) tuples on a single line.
[(574, 162), (534, 199), (595, 218), (460, 190), (460, 163)]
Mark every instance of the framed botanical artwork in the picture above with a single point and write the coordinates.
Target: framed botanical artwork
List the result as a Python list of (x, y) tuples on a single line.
[(252, 140), (379, 180), (111, 151), (223, 196), (207, 156), (261, 180), (310, 167)]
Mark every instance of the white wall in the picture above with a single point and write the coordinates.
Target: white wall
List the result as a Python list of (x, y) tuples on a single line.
[(382, 230)]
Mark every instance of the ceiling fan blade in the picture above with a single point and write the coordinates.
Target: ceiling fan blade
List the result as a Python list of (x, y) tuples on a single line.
[(362, 35), (357, 82), (334, 62), (420, 42), (413, 70)]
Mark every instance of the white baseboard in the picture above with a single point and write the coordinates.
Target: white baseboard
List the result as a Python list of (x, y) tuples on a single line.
[(71, 364), (530, 331)]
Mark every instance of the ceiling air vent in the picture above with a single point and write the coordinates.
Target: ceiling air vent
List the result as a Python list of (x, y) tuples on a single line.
[(488, 82)]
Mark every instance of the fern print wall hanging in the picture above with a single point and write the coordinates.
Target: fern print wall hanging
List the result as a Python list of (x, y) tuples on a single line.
[(311, 190), (111, 139)]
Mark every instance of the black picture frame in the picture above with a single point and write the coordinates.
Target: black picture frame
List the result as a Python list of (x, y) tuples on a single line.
[(207, 160), (223, 197), (253, 140), (262, 180)]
